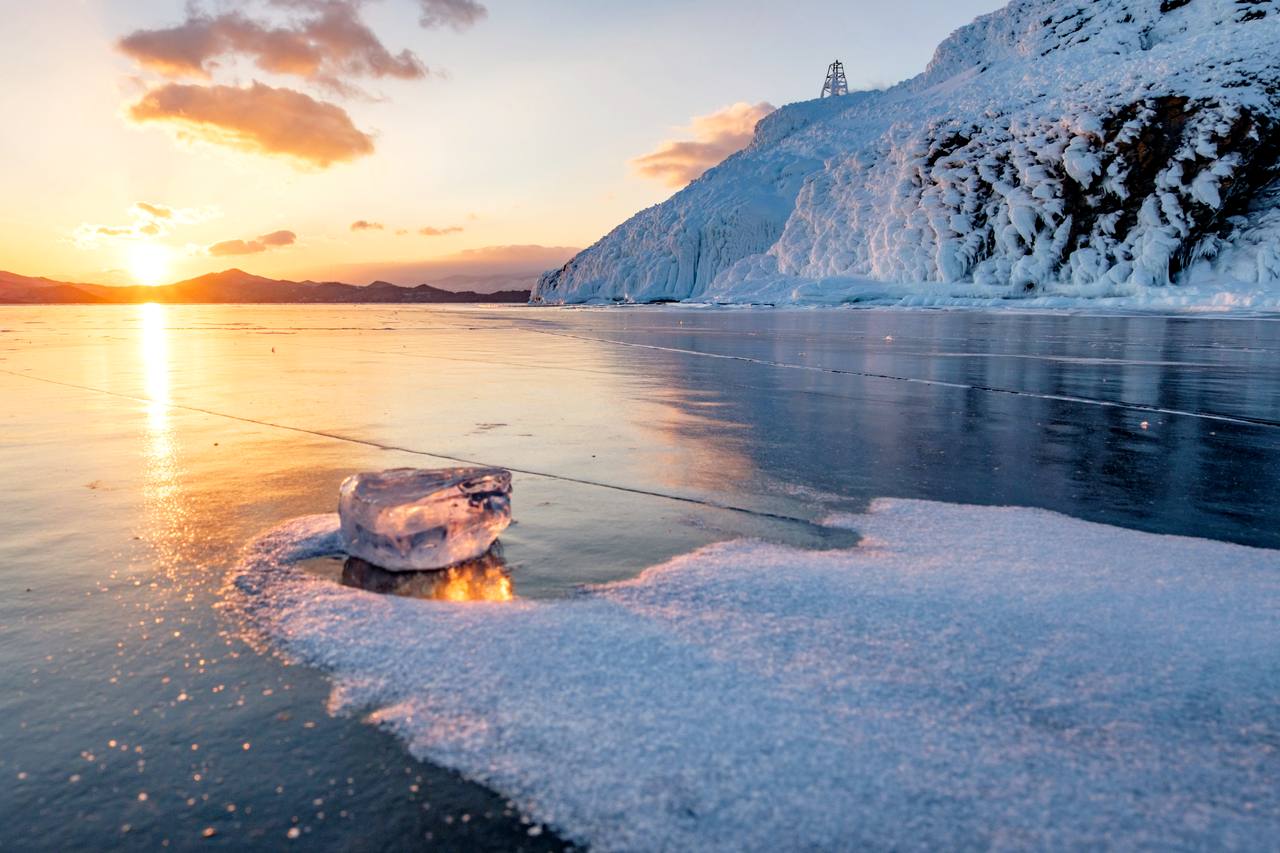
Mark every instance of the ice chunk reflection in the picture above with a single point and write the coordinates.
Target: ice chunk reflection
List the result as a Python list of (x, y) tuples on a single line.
[(483, 579)]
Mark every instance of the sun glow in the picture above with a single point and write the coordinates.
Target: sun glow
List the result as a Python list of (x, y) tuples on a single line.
[(149, 263)]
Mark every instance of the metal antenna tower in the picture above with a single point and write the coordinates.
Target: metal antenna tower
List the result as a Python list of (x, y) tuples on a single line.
[(836, 84)]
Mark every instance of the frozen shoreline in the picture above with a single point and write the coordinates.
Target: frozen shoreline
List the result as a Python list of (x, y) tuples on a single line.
[(1219, 300)]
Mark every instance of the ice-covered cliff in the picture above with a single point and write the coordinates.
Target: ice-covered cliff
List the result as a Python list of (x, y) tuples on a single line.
[(1055, 149)]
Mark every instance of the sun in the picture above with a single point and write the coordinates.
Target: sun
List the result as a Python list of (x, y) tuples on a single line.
[(149, 263)]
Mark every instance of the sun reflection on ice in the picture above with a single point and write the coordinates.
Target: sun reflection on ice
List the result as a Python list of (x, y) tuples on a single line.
[(155, 361), (166, 513), (155, 375), (472, 584), (482, 579)]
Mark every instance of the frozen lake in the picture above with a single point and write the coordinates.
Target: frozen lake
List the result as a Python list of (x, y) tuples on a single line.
[(144, 446)]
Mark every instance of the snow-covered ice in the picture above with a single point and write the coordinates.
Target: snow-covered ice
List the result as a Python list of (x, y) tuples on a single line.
[(966, 677), (1059, 150), (409, 519)]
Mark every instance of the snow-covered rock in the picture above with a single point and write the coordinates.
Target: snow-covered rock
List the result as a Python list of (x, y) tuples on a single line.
[(1053, 149)]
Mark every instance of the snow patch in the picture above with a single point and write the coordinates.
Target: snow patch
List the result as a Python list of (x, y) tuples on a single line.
[(969, 677)]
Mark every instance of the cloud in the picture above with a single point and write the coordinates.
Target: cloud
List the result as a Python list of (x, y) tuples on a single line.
[(458, 14), (325, 43), (149, 220), (117, 231), (157, 211), (279, 238), (483, 269), (715, 137), (428, 231), (264, 243), (518, 255), (326, 46), (258, 118)]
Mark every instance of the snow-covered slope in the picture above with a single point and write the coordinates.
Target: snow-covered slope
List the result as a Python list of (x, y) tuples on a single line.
[(1056, 149)]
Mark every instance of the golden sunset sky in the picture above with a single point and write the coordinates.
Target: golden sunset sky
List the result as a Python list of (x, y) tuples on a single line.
[(153, 140)]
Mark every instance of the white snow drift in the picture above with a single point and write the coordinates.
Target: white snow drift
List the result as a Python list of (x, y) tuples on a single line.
[(1053, 149), (968, 677)]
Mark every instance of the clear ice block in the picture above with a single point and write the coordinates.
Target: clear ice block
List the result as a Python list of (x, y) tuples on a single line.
[(408, 519)]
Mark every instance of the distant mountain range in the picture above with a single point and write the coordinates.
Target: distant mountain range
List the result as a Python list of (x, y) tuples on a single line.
[(232, 286)]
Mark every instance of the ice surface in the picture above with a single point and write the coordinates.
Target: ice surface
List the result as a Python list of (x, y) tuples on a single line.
[(968, 677), (1069, 149), (408, 519)]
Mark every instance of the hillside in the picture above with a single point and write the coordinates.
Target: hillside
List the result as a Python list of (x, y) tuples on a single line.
[(237, 286), (1053, 151)]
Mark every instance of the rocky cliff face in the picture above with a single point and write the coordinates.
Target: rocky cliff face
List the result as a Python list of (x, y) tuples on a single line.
[(1054, 148)]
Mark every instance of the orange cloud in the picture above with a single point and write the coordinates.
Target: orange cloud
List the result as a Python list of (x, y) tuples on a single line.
[(118, 231), (273, 240), (149, 220), (258, 118), (324, 42), (157, 211), (518, 255), (365, 225), (504, 268), (332, 44), (715, 137), (430, 231)]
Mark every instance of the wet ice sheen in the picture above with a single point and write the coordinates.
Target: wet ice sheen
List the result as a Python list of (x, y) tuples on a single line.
[(966, 677), (407, 519)]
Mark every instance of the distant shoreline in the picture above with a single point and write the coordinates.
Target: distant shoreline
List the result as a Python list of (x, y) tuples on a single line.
[(501, 298), (6, 303), (236, 287)]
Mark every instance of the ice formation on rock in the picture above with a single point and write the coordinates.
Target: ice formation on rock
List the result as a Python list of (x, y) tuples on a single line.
[(1077, 148), (408, 519)]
